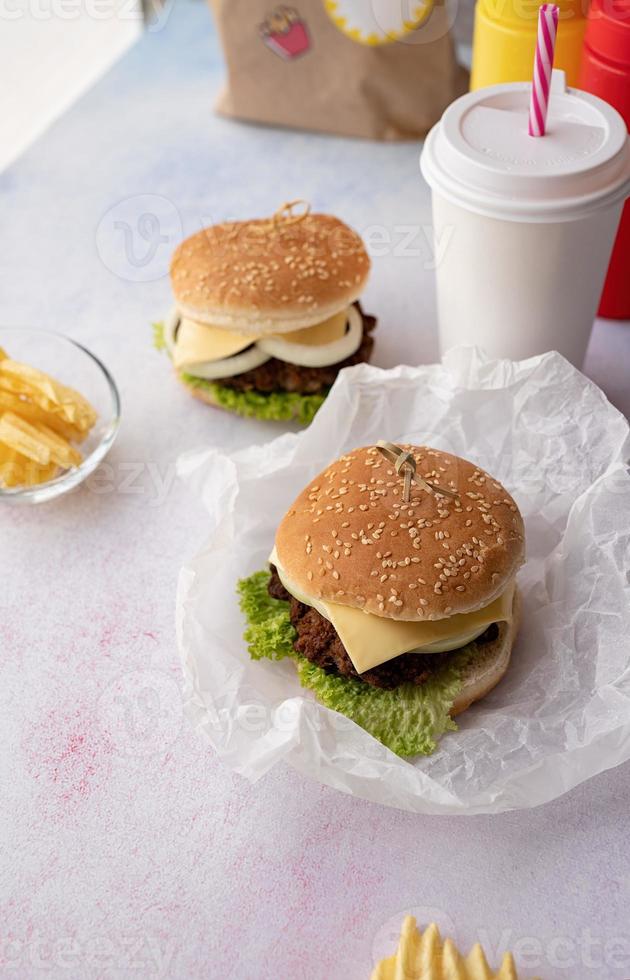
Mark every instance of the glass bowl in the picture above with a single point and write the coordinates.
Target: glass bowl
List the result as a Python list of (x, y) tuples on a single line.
[(73, 365)]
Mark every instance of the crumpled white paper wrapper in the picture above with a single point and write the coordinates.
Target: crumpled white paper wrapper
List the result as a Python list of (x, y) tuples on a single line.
[(562, 713)]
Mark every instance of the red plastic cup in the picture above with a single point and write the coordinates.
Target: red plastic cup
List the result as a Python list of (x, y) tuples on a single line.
[(605, 71)]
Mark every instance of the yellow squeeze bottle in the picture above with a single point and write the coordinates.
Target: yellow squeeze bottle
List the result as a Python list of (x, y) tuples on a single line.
[(504, 41)]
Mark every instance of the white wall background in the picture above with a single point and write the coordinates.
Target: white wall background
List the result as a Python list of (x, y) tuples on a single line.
[(50, 52)]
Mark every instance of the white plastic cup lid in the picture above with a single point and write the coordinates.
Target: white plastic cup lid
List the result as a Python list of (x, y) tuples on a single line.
[(481, 155)]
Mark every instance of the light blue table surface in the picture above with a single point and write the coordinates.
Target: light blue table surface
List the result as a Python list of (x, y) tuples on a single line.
[(109, 838)]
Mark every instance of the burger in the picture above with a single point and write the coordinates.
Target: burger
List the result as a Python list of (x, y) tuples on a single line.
[(267, 312), (392, 585)]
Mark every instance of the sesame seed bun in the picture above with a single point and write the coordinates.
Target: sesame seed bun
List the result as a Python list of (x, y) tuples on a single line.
[(350, 538), (489, 665), (269, 276)]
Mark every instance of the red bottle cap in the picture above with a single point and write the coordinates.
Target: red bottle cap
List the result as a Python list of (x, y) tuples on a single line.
[(608, 30)]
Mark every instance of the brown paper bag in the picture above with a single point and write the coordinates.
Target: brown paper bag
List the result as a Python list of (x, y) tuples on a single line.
[(354, 67)]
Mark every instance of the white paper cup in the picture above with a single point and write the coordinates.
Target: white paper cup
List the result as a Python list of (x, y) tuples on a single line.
[(524, 226)]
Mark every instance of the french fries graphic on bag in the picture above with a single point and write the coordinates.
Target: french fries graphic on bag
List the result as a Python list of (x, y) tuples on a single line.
[(285, 32)]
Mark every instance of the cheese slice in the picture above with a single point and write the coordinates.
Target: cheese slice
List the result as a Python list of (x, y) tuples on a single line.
[(326, 332), (373, 640), (197, 343)]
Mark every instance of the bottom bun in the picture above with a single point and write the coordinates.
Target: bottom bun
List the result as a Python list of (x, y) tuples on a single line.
[(486, 670), (276, 406)]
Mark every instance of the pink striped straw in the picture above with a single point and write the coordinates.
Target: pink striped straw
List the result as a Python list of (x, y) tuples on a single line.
[(543, 63)]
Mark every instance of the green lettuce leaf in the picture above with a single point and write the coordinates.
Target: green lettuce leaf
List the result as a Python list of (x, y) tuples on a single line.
[(408, 720), (278, 406), (269, 632), (158, 336)]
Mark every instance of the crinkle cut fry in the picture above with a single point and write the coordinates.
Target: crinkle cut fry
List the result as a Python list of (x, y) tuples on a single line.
[(423, 956)]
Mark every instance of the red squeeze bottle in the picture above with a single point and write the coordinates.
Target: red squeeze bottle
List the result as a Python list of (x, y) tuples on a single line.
[(605, 71)]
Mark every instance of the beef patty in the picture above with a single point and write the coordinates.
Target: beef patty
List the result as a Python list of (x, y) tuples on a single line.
[(276, 375), (318, 641)]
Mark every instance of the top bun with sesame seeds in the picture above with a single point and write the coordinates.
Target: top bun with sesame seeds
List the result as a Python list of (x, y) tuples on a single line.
[(350, 538), (270, 276)]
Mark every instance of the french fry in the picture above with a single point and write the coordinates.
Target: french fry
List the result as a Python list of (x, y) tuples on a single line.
[(37, 442), (6, 454), (61, 452), (16, 470), (49, 394), (423, 956), (18, 388), (40, 474), (29, 379), (11, 467), (23, 438), (79, 407), (40, 418), (9, 402)]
